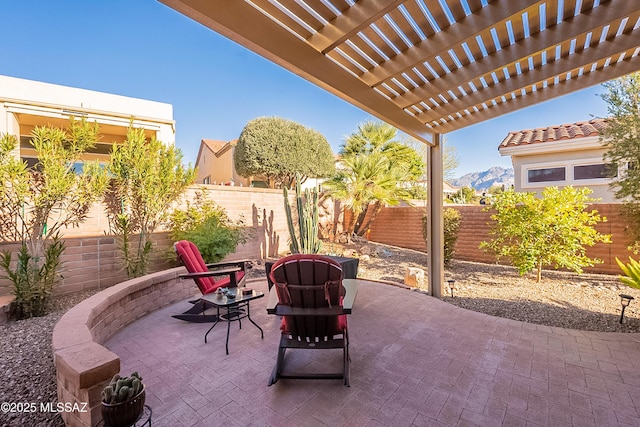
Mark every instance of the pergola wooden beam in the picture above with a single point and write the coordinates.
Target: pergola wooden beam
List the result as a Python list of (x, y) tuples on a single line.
[(345, 26), (609, 49), (438, 45), (404, 60), (615, 11), (626, 66), (248, 26), (316, 48)]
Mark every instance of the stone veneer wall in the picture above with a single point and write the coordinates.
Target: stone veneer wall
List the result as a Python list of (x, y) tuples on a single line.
[(83, 365), (402, 226)]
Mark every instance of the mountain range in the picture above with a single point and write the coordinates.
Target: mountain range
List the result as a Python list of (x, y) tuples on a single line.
[(482, 181)]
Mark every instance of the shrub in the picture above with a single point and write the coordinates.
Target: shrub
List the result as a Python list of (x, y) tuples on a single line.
[(451, 219), (631, 271), (32, 280), (38, 203), (207, 225), (464, 196), (279, 149), (552, 230), (146, 177)]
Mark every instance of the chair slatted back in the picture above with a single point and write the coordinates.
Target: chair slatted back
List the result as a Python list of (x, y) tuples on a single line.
[(189, 255), (309, 282)]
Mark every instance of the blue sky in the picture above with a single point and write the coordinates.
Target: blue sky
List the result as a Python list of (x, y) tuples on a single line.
[(143, 49)]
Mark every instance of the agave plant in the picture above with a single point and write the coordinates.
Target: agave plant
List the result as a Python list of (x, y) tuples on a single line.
[(632, 272)]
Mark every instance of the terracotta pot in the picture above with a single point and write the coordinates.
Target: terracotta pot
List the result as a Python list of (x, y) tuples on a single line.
[(123, 414)]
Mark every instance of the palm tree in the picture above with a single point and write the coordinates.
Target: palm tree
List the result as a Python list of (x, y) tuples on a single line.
[(376, 171)]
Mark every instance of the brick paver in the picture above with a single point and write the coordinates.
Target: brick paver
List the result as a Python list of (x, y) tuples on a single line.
[(415, 361)]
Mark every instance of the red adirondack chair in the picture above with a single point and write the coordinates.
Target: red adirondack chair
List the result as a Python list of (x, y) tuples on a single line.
[(208, 278), (310, 291)]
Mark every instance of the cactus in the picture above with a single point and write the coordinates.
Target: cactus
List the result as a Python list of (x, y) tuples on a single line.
[(123, 393), (121, 389), (307, 206), (107, 394)]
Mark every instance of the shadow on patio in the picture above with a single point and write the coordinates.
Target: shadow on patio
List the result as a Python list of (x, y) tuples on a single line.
[(415, 361)]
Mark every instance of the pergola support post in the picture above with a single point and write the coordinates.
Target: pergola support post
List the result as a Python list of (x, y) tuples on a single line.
[(435, 225)]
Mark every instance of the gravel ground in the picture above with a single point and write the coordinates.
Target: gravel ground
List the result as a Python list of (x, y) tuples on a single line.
[(588, 302), (26, 365), (584, 302)]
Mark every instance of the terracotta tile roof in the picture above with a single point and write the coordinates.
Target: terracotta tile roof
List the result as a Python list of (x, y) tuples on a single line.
[(570, 131)]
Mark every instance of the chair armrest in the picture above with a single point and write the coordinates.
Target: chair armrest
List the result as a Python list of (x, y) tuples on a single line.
[(285, 310), (209, 273), (351, 290), (239, 264), (272, 303)]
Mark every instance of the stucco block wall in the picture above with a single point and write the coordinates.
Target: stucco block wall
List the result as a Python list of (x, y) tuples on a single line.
[(402, 226), (399, 226), (92, 259)]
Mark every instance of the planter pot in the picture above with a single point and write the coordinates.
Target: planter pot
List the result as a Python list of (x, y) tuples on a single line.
[(123, 414)]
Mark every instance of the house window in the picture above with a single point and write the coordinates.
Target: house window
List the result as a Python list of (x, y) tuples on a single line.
[(595, 171), (547, 174), (207, 180)]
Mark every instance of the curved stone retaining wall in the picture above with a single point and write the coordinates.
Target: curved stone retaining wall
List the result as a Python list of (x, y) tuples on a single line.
[(83, 365)]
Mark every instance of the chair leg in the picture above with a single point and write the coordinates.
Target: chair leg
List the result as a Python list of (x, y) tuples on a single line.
[(347, 359), (278, 368), (196, 313)]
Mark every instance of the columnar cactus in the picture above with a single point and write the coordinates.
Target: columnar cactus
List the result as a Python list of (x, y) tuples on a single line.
[(307, 206), (121, 389)]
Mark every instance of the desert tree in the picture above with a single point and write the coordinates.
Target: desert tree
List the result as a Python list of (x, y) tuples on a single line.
[(621, 136), (278, 149), (551, 230)]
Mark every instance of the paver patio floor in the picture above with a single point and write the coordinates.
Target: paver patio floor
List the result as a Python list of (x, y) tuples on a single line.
[(415, 360)]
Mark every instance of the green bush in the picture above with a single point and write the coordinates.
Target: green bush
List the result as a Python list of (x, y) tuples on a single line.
[(631, 271), (451, 219), (146, 177), (464, 196), (38, 203), (33, 280), (207, 225), (551, 230)]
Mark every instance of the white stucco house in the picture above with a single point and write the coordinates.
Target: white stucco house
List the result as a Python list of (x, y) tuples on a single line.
[(562, 155), (25, 104)]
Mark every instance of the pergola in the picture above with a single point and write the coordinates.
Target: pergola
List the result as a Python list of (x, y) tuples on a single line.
[(430, 67)]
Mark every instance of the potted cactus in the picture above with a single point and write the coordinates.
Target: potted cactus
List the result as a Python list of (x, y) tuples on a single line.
[(123, 400)]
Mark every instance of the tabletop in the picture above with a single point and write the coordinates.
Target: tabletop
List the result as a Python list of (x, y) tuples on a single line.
[(238, 296)]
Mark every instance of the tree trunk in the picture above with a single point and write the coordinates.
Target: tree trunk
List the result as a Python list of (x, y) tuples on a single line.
[(358, 222), (349, 226), (539, 272), (377, 207)]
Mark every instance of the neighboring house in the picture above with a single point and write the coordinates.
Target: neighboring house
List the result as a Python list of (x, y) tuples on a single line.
[(25, 104), (448, 189), (567, 154), (215, 163), (216, 166)]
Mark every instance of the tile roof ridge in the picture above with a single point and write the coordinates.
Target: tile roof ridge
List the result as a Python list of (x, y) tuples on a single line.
[(557, 132)]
